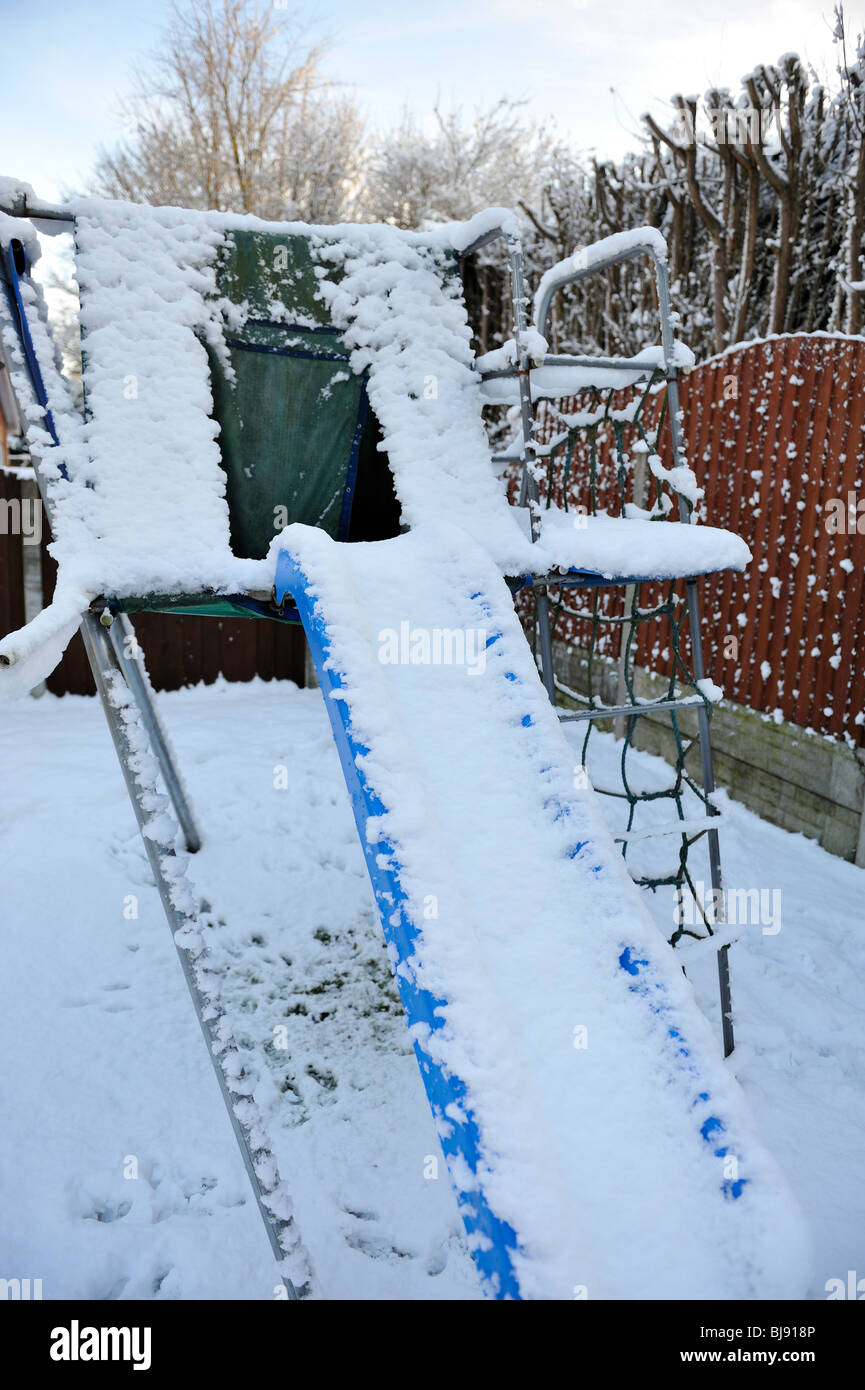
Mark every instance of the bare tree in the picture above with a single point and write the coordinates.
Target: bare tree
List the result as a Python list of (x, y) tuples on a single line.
[(685, 156), (763, 206), (234, 113), (493, 157)]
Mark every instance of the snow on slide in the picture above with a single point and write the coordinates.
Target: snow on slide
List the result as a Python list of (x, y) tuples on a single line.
[(597, 1142)]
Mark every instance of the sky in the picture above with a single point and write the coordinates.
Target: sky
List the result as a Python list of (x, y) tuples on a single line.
[(592, 66)]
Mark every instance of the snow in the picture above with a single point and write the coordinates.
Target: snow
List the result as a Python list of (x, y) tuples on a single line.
[(407, 328), (681, 479), (467, 768), (16, 228), (122, 1070), (636, 548), (12, 189), (146, 511), (508, 355), (585, 258), (780, 337), (33, 651), (143, 508), (459, 236), (555, 381)]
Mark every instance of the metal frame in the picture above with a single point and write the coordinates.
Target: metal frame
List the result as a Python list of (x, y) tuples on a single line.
[(130, 661), (112, 648), (108, 669), (42, 212), (529, 492)]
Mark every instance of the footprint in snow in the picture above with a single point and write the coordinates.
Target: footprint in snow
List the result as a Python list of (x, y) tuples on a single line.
[(378, 1248), (166, 1283), (108, 1211)]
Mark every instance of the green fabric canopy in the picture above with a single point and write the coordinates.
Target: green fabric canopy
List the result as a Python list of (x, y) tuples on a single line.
[(293, 417), (291, 411)]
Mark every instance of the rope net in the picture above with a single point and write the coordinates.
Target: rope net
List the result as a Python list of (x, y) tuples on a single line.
[(600, 454)]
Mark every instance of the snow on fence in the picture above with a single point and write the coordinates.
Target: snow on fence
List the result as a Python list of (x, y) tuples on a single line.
[(774, 432)]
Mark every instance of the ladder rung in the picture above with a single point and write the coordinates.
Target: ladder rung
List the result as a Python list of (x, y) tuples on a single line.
[(604, 364), (614, 711), (677, 827)]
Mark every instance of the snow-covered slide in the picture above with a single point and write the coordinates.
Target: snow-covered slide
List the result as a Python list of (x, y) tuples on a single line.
[(597, 1143)]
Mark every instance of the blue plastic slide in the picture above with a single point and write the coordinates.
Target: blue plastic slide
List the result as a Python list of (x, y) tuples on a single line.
[(598, 1145)]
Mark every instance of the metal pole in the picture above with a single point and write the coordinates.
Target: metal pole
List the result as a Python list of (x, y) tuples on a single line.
[(529, 483), (109, 677), (518, 294), (639, 499), (693, 602), (31, 568), (714, 844), (131, 660), (545, 630), (628, 711)]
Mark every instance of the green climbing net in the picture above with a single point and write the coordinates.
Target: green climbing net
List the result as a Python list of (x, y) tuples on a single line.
[(631, 649)]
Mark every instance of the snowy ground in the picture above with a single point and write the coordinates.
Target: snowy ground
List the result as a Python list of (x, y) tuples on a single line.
[(105, 1074)]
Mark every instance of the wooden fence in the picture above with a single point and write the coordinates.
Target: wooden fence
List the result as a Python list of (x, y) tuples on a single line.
[(775, 433)]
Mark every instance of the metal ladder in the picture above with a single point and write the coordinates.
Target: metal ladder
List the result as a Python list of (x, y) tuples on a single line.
[(529, 494), (141, 745)]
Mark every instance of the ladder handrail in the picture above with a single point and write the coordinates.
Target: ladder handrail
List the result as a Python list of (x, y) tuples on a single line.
[(571, 274)]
